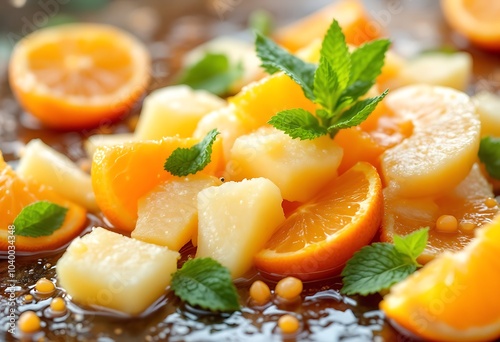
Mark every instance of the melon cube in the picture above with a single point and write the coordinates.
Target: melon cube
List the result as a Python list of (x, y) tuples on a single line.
[(168, 215), (113, 271), (300, 168), (488, 108), (236, 219), (174, 110)]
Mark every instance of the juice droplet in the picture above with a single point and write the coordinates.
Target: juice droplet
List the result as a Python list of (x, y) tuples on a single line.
[(490, 202), (288, 324), (447, 224), (28, 322), (44, 286)]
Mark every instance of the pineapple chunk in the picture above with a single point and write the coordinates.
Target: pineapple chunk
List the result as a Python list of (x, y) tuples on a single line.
[(174, 110), (236, 219), (94, 141), (488, 108), (113, 271), (230, 126), (443, 69), (300, 168), (168, 215), (47, 166)]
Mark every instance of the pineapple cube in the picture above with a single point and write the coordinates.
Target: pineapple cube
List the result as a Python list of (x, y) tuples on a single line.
[(174, 110), (110, 270), (96, 140), (168, 215), (300, 168), (47, 166), (236, 219), (230, 126), (488, 108)]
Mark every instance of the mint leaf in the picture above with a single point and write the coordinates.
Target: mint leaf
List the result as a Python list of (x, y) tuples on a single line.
[(353, 92), (334, 50), (412, 244), (186, 161), (213, 73), (367, 60), (357, 113), (275, 58), (206, 283), (39, 219), (374, 268), (261, 21), (298, 123), (489, 154), (326, 85)]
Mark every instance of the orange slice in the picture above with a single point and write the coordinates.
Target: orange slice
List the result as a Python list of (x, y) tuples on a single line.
[(15, 194), (318, 238), (454, 297), (78, 75), (475, 19), (122, 174), (356, 24), (468, 203)]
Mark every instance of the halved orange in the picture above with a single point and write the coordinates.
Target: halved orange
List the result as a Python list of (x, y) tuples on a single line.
[(318, 238), (455, 296), (78, 75), (15, 194), (475, 19), (467, 203), (122, 174)]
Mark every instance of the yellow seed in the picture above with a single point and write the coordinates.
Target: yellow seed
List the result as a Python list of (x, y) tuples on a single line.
[(28, 322), (58, 304), (289, 288), (43, 285), (466, 226), (28, 298), (490, 202), (447, 224), (288, 324), (260, 292)]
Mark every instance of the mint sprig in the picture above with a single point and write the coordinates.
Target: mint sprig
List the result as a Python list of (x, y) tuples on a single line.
[(489, 154), (186, 161), (336, 84), (39, 219), (213, 73), (206, 283), (379, 266)]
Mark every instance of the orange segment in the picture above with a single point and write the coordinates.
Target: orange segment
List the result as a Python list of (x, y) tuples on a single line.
[(78, 75), (122, 174), (467, 203), (15, 194), (454, 297), (320, 236), (355, 22), (475, 19)]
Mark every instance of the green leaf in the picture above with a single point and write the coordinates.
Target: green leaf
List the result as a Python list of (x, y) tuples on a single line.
[(357, 113), (261, 21), (206, 283), (412, 244), (298, 123), (186, 161), (39, 219), (213, 73), (334, 49), (275, 58), (326, 85), (352, 93), (374, 268), (489, 154), (368, 60)]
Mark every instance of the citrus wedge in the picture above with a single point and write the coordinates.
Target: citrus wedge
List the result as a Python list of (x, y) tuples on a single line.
[(78, 75), (318, 238), (455, 296), (122, 174), (15, 194), (444, 143), (477, 20), (468, 203)]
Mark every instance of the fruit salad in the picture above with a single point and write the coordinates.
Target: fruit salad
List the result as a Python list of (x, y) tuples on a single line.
[(312, 183)]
